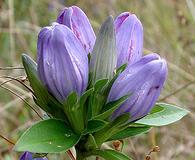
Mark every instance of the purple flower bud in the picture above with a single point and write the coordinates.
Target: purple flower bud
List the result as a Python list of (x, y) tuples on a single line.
[(29, 156), (62, 61), (143, 81), (129, 38), (74, 18)]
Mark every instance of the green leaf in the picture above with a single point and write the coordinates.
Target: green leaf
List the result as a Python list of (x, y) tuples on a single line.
[(42, 98), (121, 69), (156, 109), (111, 129), (85, 96), (168, 115), (109, 154), (74, 112), (100, 84), (30, 67), (109, 85), (110, 108), (121, 120), (97, 99), (72, 99), (94, 126), (48, 136), (129, 132), (91, 143)]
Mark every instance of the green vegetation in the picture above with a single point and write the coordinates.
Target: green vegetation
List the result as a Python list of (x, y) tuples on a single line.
[(168, 30)]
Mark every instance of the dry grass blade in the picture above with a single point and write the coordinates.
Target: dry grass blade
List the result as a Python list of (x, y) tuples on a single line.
[(22, 100), (16, 79)]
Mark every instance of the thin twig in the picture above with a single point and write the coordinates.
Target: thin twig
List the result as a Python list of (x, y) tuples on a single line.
[(16, 79), (10, 68), (177, 91), (71, 155), (6, 139), (22, 100)]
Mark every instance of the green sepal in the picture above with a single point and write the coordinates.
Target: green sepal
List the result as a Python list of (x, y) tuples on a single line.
[(121, 69), (74, 112), (41, 96), (47, 136), (100, 84), (72, 99), (101, 90), (163, 114), (91, 143), (118, 71), (97, 99), (129, 132), (120, 123), (94, 126), (110, 107), (109, 154), (85, 95), (75, 109)]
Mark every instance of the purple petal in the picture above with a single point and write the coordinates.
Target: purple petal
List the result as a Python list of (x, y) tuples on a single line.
[(62, 61), (74, 18), (26, 156), (29, 156), (129, 38), (143, 81)]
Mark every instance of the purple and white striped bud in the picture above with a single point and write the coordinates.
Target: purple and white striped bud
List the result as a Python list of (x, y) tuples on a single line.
[(62, 61), (129, 38), (104, 56), (143, 81), (74, 18)]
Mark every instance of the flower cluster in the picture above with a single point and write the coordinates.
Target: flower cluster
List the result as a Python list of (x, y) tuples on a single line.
[(63, 65), (87, 84)]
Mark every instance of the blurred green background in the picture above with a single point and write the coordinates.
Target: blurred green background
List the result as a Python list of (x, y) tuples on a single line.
[(169, 29)]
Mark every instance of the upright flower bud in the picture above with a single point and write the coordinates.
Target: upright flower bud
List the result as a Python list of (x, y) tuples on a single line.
[(129, 38), (74, 18), (143, 81), (103, 57), (62, 61), (29, 156)]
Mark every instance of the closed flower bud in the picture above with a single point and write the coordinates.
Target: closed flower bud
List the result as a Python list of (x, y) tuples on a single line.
[(143, 81), (104, 57), (74, 18), (29, 156), (129, 38), (62, 61)]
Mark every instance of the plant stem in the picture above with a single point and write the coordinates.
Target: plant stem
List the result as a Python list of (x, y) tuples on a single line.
[(6, 139), (71, 155)]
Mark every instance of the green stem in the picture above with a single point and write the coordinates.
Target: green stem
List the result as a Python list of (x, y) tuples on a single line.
[(82, 155)]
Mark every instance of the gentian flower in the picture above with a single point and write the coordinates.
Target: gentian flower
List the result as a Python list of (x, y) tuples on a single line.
[(129, 38), (104, 58), (74, 18), (29, 156), (143, 81), (128, 28), (62, 61)]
